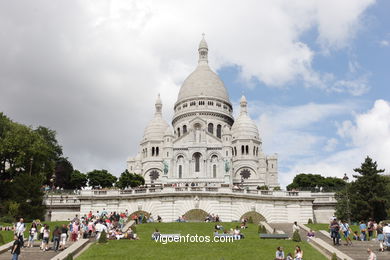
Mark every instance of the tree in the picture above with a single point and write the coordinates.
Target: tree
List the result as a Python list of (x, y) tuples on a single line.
[(27, 156), (368, 195), (100, 179), (312, 182), (78, 180), (128, 179), (63, 172)]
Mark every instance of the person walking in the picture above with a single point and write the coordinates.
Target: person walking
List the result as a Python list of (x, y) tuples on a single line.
[(334, 232), (15, 250), (346, 231), (20, 227), (32, 234), (56, 238)]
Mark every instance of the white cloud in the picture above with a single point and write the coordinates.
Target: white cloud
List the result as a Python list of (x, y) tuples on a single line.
[(368, 134), (92, 69), (384, 43), (355, 87)]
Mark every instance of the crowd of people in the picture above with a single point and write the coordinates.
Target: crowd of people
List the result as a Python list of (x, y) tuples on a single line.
[(367, 231), (88, 226)]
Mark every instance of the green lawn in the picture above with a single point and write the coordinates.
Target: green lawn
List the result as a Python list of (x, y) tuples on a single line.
[(252, 247), (8, 235)]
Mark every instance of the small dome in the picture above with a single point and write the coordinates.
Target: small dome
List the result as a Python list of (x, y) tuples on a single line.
[(156, 129), (157, 126), (244, 127), (169, 131)]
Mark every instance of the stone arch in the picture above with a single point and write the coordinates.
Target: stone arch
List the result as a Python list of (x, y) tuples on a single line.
[(195, 215), (256, 216), (138, 212)]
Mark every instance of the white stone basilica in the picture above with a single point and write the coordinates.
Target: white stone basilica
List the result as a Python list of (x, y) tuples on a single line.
[(206, 144)]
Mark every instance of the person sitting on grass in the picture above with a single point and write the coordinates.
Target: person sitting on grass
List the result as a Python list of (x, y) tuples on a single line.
[(279, 255), (289, 257), (218, 227), (156, 234), (298, 253), (310, 235), (237, 233), (216, 232)]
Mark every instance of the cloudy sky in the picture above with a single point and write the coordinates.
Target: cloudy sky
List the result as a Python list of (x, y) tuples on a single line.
[(315, 73)]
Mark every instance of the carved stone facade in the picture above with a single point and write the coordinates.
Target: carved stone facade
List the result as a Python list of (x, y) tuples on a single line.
[(204, 144)]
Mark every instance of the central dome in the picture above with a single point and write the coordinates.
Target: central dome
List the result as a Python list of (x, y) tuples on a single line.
[(203, 81)]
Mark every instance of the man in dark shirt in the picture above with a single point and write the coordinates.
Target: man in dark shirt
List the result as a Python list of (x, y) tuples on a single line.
[(15, 251)]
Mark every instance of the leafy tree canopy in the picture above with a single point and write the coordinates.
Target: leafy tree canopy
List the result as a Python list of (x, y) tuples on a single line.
[(128, 179), (100, 179), (78, 180), (312, 182)]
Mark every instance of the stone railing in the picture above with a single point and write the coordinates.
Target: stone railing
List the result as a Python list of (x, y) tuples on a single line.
[(59, 199)]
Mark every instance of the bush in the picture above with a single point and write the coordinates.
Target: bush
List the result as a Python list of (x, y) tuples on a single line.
[(69, 257), (334, 256), (103, 237), (2, 242), (277, 188), (310, 221), (250, 220), (296, 237), (262, 229)]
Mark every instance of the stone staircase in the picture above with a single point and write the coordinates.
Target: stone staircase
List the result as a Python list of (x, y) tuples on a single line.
[(33, 253), (358, 250)]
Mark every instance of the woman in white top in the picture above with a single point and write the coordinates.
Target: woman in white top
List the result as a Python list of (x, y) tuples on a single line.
[(298, 253), (32, 235), (45, 240)]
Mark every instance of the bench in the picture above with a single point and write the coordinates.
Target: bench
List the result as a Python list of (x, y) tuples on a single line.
[(273, 236)]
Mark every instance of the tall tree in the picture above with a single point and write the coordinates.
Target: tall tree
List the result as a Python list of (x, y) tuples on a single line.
[(63, 172), (101, 179), (368, 196)]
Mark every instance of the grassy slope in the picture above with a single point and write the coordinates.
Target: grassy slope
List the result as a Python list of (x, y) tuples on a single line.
[(249, 248), (8, 235)]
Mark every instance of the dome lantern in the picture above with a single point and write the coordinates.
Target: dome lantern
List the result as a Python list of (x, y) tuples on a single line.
[(203, 51)]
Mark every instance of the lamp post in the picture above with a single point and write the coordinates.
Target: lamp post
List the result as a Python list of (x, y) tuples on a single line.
[(346, 179), (52, 179)]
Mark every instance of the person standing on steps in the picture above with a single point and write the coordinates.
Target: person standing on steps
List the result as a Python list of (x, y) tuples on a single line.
[(334, 232), (346, 231), (295, 227), (15, 251)]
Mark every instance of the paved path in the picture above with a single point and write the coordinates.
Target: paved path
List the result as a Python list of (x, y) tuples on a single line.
[(33, 253), (358, 250)]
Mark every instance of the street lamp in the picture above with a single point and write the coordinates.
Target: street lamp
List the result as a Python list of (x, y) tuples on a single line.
[(346, 179), (52, 179)]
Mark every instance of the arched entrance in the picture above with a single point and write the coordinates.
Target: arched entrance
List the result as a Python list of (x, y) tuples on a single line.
[(195, 215), (256, 216), (139, 213)]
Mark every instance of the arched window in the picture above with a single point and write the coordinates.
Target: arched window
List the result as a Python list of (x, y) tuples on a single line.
[(180, 171), (254, 150), (242, 149), (184, 129), (211, 128), (178, 132), (152, 151), (247, 149), (157, 151), (219, 128), (196, 158), (214, 171), (235, 151), (257, 151)]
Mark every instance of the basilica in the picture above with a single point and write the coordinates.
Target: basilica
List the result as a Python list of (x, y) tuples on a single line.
[(204, 144)]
